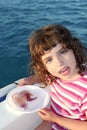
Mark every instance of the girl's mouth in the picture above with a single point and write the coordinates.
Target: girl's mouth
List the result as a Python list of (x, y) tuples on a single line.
[(65, 71)]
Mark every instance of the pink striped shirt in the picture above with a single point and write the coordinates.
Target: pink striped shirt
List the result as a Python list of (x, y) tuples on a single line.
[(69, 99)]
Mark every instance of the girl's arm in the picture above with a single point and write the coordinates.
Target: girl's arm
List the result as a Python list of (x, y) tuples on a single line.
[(29, 80), (68, 123)]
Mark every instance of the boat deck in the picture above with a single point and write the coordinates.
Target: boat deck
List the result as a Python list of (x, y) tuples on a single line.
[(13, 120)]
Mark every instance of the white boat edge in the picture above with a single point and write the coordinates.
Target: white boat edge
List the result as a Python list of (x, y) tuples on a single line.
[(11, 120)]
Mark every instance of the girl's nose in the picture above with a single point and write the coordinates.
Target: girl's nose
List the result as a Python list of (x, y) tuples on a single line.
[(59, 61)]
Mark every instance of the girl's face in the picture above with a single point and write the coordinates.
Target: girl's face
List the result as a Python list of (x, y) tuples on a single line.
[(61, 63)]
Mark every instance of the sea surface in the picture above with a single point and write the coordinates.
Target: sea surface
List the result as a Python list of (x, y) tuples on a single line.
[(18, 18)]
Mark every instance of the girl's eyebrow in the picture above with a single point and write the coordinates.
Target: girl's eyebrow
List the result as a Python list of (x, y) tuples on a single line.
[(45, 59), (49, 56)]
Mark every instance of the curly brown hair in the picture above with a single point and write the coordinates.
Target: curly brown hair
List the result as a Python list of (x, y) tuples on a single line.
[(48, 37)]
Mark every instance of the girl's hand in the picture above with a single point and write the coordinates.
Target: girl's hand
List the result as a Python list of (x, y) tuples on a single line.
[(47, 115), (29, 80)]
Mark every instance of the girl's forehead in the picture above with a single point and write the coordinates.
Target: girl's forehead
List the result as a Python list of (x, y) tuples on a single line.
[(55, 49)]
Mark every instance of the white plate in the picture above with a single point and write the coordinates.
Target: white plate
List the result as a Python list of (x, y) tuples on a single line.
[(35, 105)]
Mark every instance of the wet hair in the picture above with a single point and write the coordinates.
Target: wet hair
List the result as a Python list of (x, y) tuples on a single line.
[(45, 39)]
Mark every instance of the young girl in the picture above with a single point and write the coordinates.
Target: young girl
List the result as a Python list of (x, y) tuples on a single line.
[(59, 59)]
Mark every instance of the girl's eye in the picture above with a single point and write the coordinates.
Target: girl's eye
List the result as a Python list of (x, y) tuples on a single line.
[(48, 60), (63, 51)]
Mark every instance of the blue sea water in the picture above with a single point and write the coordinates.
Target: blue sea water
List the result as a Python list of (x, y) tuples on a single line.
[(19, 18)]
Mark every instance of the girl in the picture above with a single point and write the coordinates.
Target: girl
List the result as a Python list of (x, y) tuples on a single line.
[(59, 59)]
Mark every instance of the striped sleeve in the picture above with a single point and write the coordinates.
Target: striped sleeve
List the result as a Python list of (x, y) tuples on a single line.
[(83, 104)]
